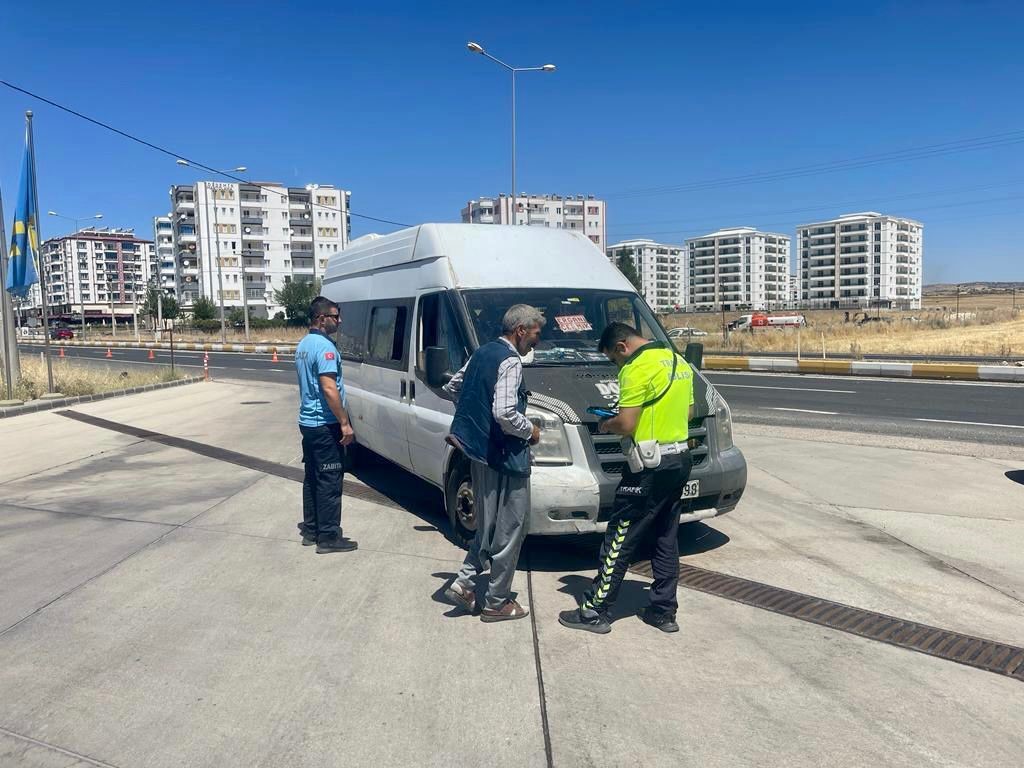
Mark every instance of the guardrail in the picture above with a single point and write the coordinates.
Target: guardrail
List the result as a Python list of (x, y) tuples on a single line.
[(948, 371), (186, 346)]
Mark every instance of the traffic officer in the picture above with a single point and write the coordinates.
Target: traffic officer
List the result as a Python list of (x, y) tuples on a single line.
[(325, 428), (655, 407)]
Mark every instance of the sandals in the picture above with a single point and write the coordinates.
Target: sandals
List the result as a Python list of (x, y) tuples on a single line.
[(508, 612)]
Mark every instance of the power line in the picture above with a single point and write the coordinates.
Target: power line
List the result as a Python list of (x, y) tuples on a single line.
[(176, 155), (830, 206), (797, 222), (914, 153)]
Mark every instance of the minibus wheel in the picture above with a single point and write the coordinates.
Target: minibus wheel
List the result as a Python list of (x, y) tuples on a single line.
[(460, 504)]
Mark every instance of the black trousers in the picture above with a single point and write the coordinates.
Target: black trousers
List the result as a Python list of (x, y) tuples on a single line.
[(645, 513), (321, 484)]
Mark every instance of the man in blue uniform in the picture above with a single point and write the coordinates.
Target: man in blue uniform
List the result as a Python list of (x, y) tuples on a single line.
[(325, 428)]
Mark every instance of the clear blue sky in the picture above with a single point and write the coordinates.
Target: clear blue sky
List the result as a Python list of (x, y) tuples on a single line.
[(389, 104)]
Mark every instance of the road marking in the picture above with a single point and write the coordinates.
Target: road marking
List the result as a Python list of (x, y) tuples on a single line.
[(972, 423), (789, 389), (804, 410)]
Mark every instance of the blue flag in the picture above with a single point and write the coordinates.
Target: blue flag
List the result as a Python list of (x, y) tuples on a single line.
[(21, 265)]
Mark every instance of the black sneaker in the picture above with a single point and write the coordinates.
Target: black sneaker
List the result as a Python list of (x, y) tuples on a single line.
[(339, 544), (591, 621), (666, 622), (308, 539)]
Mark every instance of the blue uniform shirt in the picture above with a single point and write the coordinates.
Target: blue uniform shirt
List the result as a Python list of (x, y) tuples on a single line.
[(315, 356)]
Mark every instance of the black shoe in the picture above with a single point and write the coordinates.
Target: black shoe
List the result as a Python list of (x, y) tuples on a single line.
[(666, 622), (308, 539), (591, 621), (338, 544)]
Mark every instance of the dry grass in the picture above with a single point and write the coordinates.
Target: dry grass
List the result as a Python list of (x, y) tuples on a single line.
[(74, 380), (989, 332)]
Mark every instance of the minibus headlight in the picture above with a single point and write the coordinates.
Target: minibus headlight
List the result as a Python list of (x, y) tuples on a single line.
[(553, 447), (723, 424)]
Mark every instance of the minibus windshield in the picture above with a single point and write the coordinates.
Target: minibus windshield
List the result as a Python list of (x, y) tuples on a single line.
[(575, 319)]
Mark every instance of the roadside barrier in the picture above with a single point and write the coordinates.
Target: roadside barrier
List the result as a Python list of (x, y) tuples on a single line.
[(941, 371)]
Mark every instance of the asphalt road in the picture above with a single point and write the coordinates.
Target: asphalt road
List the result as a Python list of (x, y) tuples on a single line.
[(966, 411)]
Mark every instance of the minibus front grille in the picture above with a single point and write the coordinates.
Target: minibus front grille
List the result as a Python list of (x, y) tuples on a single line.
[(613, 463)]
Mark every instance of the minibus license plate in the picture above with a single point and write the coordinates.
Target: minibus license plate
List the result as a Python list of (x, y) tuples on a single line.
[(691, 490)]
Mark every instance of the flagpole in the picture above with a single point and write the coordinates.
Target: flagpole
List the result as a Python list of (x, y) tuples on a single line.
[(39, 242), (12, 365)]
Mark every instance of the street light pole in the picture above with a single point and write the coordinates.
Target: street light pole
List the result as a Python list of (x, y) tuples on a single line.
[(77, 219), (477, 48)]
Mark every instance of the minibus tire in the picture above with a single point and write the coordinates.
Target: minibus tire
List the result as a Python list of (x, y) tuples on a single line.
[(458, 493)]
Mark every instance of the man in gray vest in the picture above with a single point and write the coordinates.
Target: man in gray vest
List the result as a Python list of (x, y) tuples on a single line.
[(491, 428)]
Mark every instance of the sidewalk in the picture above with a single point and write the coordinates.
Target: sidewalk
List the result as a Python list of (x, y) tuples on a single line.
[(159, 611)]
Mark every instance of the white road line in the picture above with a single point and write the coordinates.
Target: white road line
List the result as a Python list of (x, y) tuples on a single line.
[(789, 389), (972, 423), (803, 410)]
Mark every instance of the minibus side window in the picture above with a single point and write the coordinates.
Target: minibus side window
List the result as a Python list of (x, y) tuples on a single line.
[(437, 328), (388, 328), (352, 333)]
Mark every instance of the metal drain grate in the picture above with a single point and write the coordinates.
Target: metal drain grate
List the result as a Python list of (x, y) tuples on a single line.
[(972, 651)]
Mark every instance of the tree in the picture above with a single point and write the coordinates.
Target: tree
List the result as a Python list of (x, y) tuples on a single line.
[(236, 316), (625, 264), (296, 297), (204, 309), (169, 305)]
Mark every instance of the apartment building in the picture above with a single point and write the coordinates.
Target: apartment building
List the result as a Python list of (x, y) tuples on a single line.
[(579, 213), (163, 240), (661, 268), (100, 271), (738, 268), (861, 260), (231, 238)]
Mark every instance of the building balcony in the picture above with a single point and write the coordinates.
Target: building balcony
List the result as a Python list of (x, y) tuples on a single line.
[(252, 219), (186, 237), (308, 238)]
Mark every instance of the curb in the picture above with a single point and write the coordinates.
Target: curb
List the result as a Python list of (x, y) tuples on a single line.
[(941, 371), (46, 405), (187, 346)]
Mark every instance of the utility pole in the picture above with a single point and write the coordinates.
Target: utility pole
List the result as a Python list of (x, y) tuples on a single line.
[(43, 284), (958, 301)]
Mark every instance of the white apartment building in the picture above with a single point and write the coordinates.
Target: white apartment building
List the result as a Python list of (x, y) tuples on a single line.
[(98, 270), (738, 268), (579, 213), (163, 239), (861, 260), (264, 235), (662, 271)]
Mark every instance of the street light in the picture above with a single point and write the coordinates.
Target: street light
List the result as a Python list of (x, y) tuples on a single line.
[(220, 272), (81, 298), (477, 48)]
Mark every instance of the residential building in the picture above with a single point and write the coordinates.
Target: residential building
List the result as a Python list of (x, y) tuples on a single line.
[(165, 274), (794, 289), (101, 270), (861, 260), (738, 268), (235, 237), (661, 268), (579, 213)]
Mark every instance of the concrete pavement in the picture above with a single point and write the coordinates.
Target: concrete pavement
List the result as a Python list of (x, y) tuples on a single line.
[(157, 611)]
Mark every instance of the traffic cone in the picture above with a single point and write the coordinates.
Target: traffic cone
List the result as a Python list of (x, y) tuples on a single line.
[(274, 358), (61, 350), (151, 355), (109, 353)]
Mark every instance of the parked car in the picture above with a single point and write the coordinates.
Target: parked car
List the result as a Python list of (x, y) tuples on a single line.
[(678, 333), (60, 334), (417, 302)]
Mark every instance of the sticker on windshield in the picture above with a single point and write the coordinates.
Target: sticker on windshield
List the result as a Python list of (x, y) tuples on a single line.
[(573, 323)]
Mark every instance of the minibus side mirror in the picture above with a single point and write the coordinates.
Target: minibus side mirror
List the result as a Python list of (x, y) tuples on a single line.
[(694, 354), (437, 366)]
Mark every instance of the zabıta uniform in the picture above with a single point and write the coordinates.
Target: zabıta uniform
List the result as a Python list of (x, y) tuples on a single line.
[(316, 356), (644, 376)]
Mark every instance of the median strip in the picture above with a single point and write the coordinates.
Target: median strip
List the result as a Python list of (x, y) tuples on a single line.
[(939, 371)]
